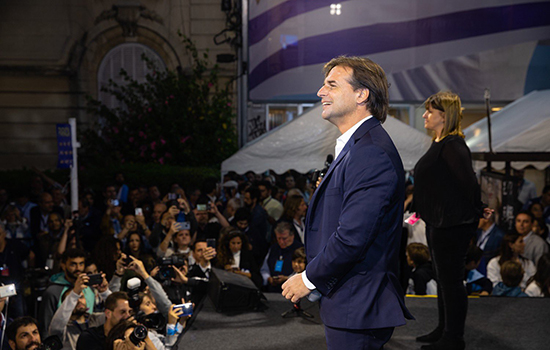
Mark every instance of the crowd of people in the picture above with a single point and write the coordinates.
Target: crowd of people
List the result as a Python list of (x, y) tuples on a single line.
[(136, 255), (150, 252), (499, 263)]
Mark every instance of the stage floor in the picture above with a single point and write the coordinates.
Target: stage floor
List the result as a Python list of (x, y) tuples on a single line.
[(493, 323)]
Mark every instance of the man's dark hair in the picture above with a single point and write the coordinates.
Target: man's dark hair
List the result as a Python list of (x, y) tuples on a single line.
[(73, 253), (546, 189), (266, 184), (526, 212), (107, 186), (366, 75), (84, 202), (111, 301), (198, 241), (254, 192), (11, 330), (242, 214)]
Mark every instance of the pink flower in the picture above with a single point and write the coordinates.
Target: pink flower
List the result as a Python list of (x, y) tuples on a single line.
[(162, 141), (228, 104), (171, 96), (115, 129), (154, 155), (184, 139), (168, 155), (219, 139), (143, 148), (210, 85), (131, 139), (141, 134), (142, 154), (161, 160), (149, 109), (139, 116), (166, 102), (153, 145)]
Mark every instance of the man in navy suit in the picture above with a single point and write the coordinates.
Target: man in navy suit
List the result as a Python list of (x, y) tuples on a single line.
[(354, 221)]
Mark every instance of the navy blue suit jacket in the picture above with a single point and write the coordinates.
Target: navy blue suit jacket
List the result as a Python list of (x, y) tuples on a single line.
[(353, 231)]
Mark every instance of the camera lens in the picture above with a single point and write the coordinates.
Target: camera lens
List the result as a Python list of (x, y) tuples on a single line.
[(138, 335)]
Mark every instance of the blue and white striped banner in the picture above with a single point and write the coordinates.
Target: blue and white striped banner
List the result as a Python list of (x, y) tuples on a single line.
[(423, 45)]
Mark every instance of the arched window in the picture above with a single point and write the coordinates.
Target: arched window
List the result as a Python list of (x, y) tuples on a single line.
[(126, 56)]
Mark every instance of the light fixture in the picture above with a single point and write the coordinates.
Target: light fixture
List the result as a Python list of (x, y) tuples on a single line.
[(336, 9)]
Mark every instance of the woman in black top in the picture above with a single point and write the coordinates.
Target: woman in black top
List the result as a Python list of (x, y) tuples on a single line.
[(447, 197)]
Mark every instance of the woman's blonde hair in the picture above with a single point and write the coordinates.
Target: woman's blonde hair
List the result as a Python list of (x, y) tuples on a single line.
[(448, 103)]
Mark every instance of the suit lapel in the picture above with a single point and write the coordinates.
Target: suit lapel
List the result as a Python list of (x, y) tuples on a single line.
[(359, 133)]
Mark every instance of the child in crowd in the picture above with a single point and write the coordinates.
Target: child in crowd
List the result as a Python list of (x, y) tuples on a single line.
[(299, 260), (512, 274), (422, 281), (476, 282)]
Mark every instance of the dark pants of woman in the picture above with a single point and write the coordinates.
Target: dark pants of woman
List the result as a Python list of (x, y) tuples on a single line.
[(448, 248)]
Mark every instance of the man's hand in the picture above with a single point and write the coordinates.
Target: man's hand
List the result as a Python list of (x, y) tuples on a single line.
[(180, 275), (104, 284), (174, 211), (176, 227), (294, 288), (209, 253), (81, 283), (121, 264), (137, 266)]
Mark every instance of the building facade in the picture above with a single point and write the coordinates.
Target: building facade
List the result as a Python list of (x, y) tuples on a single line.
[(54, 53)]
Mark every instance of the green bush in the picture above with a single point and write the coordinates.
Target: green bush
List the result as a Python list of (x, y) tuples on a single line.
[(171, 118)]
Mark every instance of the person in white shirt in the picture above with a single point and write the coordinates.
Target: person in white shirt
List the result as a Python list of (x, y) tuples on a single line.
[(512, 249), (535, 246)]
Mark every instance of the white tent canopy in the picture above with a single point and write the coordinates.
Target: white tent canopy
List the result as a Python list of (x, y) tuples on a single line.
[(304, 143), (522, 126)]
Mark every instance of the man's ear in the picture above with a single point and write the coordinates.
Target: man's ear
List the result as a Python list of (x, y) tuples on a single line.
[(363, 96), (108, 314), (12, 344)]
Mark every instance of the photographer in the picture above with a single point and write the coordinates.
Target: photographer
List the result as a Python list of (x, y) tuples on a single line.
[(72, 264), (129, 336), (72, 316), (146, 305), (117, 309), (199, 273), (177, 241)]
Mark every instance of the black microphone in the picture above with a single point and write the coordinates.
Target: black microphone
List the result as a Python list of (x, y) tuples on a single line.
[(328, 162), (319, 174)]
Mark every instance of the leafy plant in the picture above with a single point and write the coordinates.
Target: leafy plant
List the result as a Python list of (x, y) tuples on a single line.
[(171, 118)]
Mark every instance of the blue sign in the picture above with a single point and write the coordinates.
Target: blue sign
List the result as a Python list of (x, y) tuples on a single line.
[(64, 146)]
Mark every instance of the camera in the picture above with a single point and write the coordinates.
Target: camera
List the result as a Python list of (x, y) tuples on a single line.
[(138, 335), (94, 279), (52, 342), (115, 202), (166, 272), (133, 287), (154, 320)]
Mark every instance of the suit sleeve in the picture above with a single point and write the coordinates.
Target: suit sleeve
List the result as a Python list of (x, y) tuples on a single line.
[(369, 192)]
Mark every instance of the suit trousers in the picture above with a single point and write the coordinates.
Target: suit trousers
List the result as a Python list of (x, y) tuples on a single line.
[(448, 247), (357, 339)]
